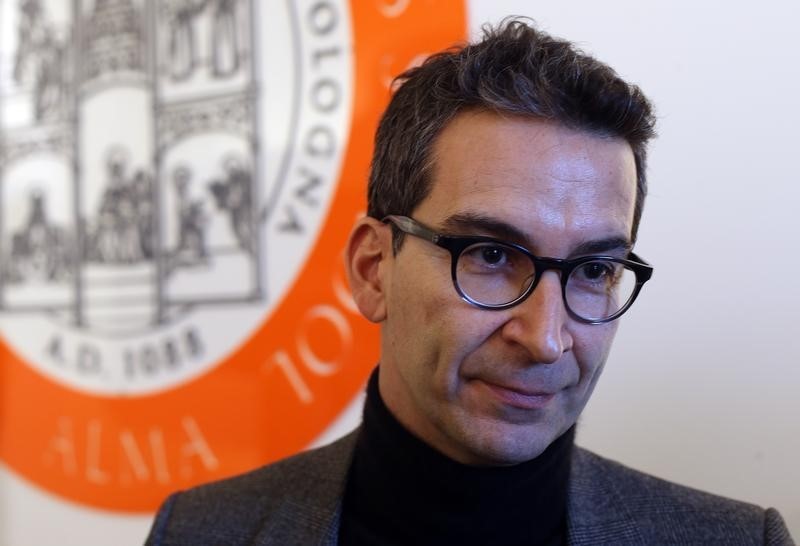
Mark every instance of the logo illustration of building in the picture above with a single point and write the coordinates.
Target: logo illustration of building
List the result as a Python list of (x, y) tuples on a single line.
[(177, 181), (130, 162)]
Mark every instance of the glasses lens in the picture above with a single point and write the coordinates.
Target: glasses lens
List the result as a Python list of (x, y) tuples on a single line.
[(493, 273), (598, 289)]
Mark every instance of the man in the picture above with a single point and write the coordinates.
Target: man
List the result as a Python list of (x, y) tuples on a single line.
[(505, 195)]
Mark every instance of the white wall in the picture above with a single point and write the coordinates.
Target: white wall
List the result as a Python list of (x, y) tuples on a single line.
[(702, 386)]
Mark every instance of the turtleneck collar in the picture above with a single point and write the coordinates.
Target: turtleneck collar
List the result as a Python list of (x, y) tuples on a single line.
[(402, 491)]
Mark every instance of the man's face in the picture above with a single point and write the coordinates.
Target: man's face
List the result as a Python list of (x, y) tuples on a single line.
[(497, 387)]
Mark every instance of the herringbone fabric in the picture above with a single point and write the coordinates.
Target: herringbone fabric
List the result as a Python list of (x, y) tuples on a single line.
[(297, 501)]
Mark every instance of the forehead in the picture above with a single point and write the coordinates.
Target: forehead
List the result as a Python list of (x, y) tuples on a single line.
[(553, 183)]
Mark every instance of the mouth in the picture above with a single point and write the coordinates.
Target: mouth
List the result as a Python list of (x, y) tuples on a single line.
[(517, 397)]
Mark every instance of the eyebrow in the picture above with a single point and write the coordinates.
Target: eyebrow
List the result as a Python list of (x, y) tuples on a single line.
[(603, 246), (465, 223)]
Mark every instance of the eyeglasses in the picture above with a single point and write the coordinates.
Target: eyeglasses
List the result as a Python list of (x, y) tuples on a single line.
[(493, 274)]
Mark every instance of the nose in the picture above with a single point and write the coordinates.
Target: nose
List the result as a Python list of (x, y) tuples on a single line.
[(539, 323)]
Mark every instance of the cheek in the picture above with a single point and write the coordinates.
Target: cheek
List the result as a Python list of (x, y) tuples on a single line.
[(431, 329), (414, 304), (591, 345), (413, 316), (441, 332), (422, 296)]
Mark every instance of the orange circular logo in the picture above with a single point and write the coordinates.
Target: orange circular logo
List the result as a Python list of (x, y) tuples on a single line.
[(177, 183)]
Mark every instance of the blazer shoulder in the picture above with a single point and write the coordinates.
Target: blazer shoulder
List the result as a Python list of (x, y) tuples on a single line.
[(233, 510), (590, 468), (659, 510)]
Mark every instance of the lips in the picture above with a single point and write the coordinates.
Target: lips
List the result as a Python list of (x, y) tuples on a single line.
[(518, 397)]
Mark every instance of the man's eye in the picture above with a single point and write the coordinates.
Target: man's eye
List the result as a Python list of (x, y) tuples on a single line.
[(483, 258), (487, 256), (493, 255), (596, 272)]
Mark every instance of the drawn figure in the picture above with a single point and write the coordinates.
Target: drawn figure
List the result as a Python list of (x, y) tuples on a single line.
[(40, 59), (224, 39), (145, 212), (124, 229), (129, 249), (111, 238), (192, 220), (105, 233), (29, 33), (49, 85), (39, 251), (31, 245), (234, 196), (182, 41)]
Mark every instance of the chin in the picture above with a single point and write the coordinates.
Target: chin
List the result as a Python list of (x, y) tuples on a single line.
[(510, 448), (508, 457)]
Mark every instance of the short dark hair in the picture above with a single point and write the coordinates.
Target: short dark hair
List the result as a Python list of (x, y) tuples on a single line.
[(515, 69)]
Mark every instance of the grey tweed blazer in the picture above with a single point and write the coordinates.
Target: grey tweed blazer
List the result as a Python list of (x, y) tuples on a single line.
[(297, 501)]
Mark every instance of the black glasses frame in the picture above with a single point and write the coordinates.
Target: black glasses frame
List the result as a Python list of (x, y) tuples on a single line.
[(456, 244)]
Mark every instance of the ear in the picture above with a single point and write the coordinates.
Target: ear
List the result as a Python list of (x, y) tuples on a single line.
[(368, 251)]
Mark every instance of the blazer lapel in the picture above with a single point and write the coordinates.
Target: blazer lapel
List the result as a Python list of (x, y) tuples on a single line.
[(596, 512), (311, 513), (301, 524)]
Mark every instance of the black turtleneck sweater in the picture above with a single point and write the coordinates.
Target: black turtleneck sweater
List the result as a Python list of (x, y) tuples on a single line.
[(400, 491)]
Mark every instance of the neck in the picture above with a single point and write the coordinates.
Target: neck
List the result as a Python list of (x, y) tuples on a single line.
[(401, 488)]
